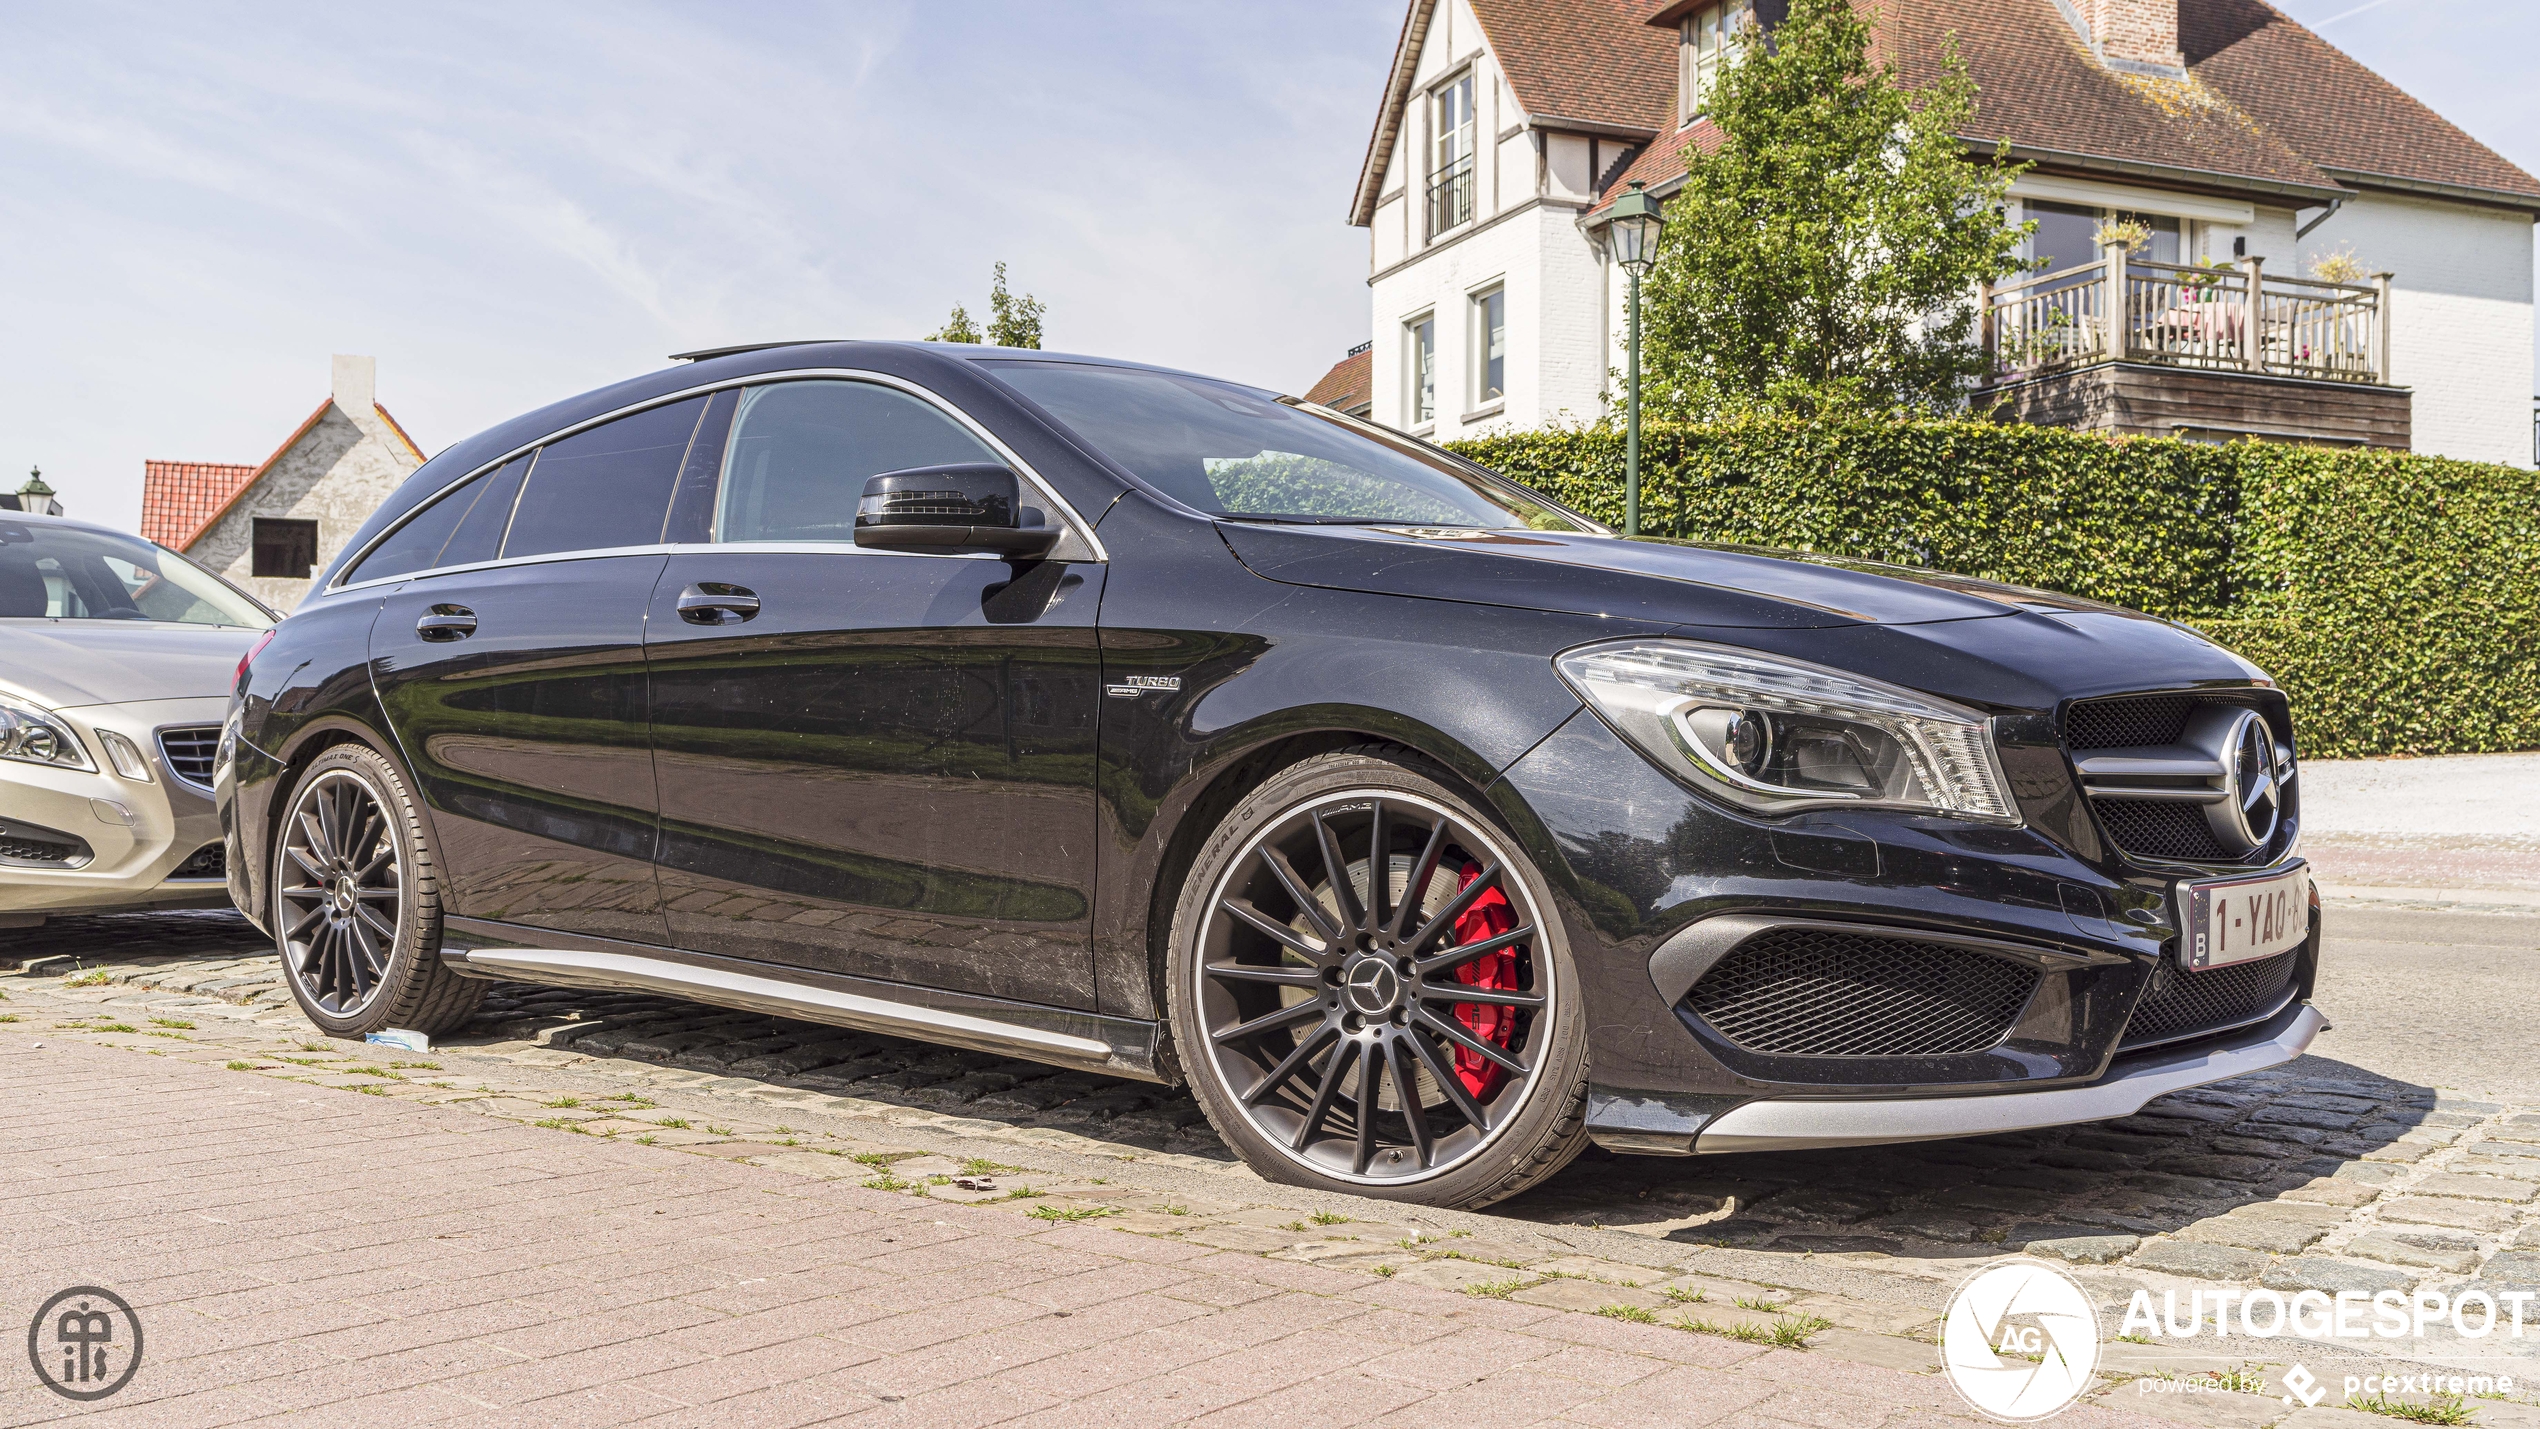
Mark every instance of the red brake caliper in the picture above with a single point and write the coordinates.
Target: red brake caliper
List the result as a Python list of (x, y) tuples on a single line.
[(1489, 916)]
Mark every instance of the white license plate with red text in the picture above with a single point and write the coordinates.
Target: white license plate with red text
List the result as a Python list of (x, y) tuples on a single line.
[(2236, 920)]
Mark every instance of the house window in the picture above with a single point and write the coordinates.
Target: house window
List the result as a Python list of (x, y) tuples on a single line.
[(1707, 37), (284, 549), (1420, 345), (1451, 159), (1490, 347), (2067, 235)]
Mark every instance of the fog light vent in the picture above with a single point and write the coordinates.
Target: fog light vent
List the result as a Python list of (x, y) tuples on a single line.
[(1816, 992), (35, 846)]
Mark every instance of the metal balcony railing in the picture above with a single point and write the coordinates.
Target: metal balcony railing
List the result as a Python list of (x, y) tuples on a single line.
[(1451, 196), (2233, 319)]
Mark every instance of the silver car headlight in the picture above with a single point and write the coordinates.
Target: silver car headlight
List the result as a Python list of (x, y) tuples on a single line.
[(38, 736), (1777, 736)]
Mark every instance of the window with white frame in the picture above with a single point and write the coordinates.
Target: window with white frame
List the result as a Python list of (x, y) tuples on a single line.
[(1451, 153), (1707, 37), (1420, 352), (1490, 347)]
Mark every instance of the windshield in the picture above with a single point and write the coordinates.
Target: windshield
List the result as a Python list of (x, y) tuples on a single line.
[(1234, 453), (74, 573)]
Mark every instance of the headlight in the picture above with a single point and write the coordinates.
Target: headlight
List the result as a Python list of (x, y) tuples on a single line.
[(1778, 736), (38, 737)]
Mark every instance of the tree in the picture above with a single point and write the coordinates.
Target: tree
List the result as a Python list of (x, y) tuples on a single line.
[(1012, 321), (1825, 255)]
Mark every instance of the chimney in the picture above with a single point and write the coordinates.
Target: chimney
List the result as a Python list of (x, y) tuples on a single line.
[(2135, 32), (356, 383)]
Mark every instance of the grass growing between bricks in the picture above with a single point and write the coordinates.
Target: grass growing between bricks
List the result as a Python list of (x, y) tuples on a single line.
[(2441, 1409)]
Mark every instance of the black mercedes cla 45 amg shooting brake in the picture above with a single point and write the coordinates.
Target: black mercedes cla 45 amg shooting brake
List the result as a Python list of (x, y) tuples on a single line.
[(1120, 719)]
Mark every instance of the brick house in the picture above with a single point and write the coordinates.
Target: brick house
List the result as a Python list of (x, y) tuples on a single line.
[(2249, 148), (1345, 388), (268, 527)]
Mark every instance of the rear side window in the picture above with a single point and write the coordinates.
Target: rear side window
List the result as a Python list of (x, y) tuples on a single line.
[(464, 526), (801, 452), (609, 486)]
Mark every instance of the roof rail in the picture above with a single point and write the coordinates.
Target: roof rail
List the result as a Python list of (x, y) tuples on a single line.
[(701, 354)]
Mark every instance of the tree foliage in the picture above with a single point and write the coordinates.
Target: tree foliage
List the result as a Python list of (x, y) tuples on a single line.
[(1013, 321), (1823, 256)]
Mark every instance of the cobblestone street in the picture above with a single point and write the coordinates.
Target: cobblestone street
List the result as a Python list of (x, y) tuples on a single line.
[(2321, 1175)]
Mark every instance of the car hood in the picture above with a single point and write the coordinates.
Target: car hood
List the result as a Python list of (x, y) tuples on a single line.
[(1685, 582), (66, 663)]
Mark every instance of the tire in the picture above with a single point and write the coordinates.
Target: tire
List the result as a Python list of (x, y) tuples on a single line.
[(1287, 999), (357, 903)]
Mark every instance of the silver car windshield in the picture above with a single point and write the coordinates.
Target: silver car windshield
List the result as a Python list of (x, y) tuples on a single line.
[(50, 572), (1240, 454)]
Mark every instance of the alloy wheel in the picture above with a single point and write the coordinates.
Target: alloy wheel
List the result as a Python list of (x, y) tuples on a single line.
[(342, 891), (1375, 1029)]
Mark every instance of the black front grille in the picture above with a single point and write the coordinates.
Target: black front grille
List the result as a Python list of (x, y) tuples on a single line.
[(189, 752), (209, 861), (2187, 1003), (2161, 828), (1815, 992), (2128, 721)]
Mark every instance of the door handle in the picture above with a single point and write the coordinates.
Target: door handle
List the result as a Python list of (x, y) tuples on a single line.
[(715, 603), (447, 622)]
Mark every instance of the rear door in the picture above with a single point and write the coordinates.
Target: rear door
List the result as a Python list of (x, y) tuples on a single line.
[(874, 763), (511, 666)]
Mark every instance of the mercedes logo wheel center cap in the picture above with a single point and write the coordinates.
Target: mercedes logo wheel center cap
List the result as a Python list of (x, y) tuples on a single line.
[(1373, 987)]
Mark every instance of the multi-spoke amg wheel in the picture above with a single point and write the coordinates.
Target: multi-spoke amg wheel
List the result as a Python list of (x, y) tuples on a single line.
[(356, 906), (1368, 990), (342, 891)]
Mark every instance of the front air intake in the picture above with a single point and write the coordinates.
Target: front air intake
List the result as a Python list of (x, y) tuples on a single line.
[(2184, 1003), (1818, 992)]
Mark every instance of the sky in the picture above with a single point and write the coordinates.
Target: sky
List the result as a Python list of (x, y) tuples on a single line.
[(506, 204)]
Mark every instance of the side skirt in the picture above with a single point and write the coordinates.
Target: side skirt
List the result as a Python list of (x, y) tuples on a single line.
[(1064, 1037)]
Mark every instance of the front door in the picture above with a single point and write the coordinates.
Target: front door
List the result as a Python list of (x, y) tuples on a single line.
[(516, 688), (873, 763)]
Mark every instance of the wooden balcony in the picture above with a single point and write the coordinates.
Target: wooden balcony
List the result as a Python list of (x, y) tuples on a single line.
[(2136, 347)]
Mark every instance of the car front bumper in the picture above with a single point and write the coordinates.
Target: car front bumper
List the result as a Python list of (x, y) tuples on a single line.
[(135, 833), (1793, 1124)]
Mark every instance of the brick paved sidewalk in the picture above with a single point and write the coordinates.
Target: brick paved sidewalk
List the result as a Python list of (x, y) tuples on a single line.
[(303, 1252)]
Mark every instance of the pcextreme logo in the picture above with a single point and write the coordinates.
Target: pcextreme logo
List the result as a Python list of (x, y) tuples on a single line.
[(2020, 1340)]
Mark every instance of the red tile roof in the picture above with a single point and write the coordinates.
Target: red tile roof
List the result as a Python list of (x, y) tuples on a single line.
[(1348, 385), (179, 497), (1584, 60)]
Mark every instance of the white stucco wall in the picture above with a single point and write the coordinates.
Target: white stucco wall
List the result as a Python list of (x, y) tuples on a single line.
[(336, 474), (2460, 334)]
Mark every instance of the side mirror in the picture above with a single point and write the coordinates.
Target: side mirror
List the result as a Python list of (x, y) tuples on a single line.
[(972, 506)]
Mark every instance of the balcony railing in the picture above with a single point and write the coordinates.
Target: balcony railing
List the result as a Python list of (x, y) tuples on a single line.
[(1451, 196), (2231, 319)]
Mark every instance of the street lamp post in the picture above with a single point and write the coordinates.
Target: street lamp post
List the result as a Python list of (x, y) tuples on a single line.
[(1635, 223)]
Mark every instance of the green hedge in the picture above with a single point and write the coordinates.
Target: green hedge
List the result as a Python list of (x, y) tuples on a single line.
[(2390, 594)]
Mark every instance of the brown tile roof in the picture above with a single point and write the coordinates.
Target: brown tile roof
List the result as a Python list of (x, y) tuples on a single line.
[(2040, 88), (2338, 113), (1586, 60), (1348, 385), (2267, 109), (179, 497)]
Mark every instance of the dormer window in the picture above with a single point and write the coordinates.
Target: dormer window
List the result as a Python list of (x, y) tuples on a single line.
[(1707, 35), (1451, 163)]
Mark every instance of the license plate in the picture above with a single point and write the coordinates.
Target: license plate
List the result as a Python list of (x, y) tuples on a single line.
[(2239, 919)]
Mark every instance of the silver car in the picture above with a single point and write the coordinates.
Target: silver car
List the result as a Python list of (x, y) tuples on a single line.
[(116, 661)]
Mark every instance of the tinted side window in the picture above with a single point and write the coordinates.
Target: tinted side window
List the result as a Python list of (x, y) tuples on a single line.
[(466, 525), (801, 451), (609, 486)]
